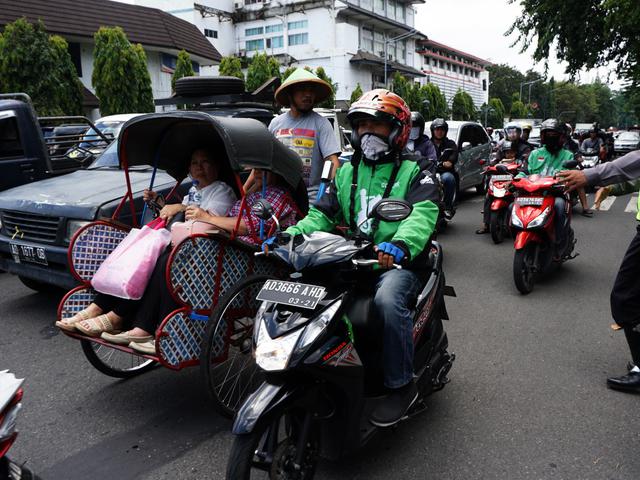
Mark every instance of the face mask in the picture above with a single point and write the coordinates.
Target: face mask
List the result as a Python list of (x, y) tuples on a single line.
[(552, 143), (373, 147), (415, 133)]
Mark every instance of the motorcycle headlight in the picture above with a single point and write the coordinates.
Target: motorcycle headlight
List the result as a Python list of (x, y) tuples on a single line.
[(540, 219), (273, 354), (316, 327), (515, 220), (72, 227)]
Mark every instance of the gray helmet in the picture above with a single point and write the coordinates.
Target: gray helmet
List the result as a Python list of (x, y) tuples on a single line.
[(439, 123), (552, 124)]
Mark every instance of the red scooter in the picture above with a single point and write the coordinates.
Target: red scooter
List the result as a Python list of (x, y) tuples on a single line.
[(500, 197), (533, 222)]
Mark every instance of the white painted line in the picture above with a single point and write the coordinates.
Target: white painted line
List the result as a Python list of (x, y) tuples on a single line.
[(606, 203), (632, 205)]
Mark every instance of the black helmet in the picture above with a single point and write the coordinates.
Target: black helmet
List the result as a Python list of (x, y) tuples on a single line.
[(417, 120), (439, 123), (552, 124), (553, 143)]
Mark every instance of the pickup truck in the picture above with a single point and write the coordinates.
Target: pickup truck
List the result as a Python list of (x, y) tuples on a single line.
[(34, 148)]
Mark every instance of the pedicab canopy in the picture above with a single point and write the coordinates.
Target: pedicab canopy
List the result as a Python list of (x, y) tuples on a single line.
[(167, 140)]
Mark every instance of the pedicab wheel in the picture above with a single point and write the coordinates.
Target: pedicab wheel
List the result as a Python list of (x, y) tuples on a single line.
[(523, 268), (271, 449), (114, 362), (496, 226), (228, 368)]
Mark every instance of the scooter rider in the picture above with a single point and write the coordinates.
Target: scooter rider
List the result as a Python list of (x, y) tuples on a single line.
[(418, 141), (526, 131), (439, 129), (380, 122), (548, 160), (512, 148)]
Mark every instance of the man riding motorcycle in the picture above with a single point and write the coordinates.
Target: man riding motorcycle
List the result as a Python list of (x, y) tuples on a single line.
[(571, 145), (548, 160), (380, 122), (439, 129), (418, 141), (594, 142), (526, 131), (513, 148)]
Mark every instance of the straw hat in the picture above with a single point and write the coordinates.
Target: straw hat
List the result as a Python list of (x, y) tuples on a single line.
[(300, 76)]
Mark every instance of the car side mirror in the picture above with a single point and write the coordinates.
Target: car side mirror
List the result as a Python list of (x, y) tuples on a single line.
[(466, 145), (262, 209), (391, 210)]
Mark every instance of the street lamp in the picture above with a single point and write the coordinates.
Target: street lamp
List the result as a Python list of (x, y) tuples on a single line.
[(529, 83), (394, 40)]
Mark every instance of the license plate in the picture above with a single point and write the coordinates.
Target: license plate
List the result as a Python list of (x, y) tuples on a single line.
[(27, 253), (291, 293), (530, 200), (501, 178)]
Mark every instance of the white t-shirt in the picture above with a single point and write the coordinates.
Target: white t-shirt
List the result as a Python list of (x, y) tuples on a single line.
[(217, 198)]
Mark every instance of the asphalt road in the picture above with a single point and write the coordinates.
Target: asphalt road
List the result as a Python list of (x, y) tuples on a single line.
[(527, 399)]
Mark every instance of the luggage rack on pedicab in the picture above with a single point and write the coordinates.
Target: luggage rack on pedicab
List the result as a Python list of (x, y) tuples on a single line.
[(214, 276)]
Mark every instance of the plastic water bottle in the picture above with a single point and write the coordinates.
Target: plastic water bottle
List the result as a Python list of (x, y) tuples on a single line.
[(195, 196)]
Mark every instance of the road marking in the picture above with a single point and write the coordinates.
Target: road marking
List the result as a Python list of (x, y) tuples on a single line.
[(606, 203), (631, 206)]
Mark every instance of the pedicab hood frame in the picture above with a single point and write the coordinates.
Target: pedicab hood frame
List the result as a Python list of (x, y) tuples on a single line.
[(166, 141)]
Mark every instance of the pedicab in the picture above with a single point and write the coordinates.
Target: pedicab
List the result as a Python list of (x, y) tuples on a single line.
[(213, 276)]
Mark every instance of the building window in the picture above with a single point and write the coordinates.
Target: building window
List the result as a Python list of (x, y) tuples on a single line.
[(275, 42), (391, 9), (400, 12), (210, 33), (484, 85), (251, 45), (251, 2), (74, 51), (378, 7), (378, 44), (253, 31), (277, 27), (298, 25), (367, 40), (299, 39)]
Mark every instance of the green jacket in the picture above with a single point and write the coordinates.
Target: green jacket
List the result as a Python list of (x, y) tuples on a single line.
[(417, 186), (543, 162)]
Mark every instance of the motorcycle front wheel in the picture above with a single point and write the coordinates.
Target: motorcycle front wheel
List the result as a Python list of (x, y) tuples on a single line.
[(524, 271), (496, 226), (271, 450)]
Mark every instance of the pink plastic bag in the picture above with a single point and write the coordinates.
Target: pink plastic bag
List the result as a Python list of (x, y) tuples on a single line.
[(126, 271)]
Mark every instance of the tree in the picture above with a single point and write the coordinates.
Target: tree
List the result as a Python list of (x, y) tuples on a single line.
[(496, 113), (330, 102), (518, 110), (261, 68), (40, 66), (434, 103), (462, 107), (356, 94), (184, 68), (231, 67), (120, 75), (504, 82), (584, 33), (410, 92)]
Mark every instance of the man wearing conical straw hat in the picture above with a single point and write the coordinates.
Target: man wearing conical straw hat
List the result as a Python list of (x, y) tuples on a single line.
[(301, 129)]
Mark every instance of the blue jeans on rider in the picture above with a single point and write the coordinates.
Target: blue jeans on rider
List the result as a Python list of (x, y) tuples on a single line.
[(561, 220), (449, 183), (395, 290)]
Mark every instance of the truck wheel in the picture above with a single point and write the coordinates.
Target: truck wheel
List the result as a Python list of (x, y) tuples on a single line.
[(36, 285), (202, 86)]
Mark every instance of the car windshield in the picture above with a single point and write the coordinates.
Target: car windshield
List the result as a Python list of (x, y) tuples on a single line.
[(91, 138), (535, 132), (452, 133), (629, 136), (108, 158)]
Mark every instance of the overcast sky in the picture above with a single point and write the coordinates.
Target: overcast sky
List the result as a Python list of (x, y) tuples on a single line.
[(478, 26)]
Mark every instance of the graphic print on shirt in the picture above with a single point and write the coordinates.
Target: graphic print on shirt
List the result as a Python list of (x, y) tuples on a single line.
[(302, 141), (367, 202)]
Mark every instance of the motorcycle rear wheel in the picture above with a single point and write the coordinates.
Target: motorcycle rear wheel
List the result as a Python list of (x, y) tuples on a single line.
[(524, 268), (268, 451), (228, 368), (496, 226)]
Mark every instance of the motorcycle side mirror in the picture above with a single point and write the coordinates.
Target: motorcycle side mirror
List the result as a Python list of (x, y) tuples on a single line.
[(262, 209), (390, 210), (570, 164)]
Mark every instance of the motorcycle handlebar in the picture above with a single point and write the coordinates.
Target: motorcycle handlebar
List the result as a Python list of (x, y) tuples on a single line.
[(370, 262)]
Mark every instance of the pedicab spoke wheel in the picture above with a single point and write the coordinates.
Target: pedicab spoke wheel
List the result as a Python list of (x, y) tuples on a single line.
[(114, 362), (227, 364)]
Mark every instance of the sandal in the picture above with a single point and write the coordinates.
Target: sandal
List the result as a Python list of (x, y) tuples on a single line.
[(125, 338), (144, 347), (95, 326), (69, 324), (482, 231)]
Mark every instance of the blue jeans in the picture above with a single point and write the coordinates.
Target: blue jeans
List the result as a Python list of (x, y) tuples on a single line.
[(449, 183), (394, 292)]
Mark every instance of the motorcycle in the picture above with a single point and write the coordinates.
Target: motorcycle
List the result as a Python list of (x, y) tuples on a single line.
[(318, 341), (533, 226), (501, 197), (590, 158), (10, 405)]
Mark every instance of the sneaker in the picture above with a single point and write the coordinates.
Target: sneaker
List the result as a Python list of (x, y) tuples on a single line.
[(394, 406)]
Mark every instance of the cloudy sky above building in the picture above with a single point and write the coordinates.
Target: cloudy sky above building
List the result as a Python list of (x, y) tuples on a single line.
[(478, 26)]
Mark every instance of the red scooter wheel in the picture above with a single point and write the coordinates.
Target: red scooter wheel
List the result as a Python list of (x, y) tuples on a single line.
[(524, 271)]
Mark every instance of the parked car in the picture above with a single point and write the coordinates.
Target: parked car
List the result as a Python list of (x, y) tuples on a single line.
[(474, 146), (38, 220), (626, 142), (31, 147), (90, 144)]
